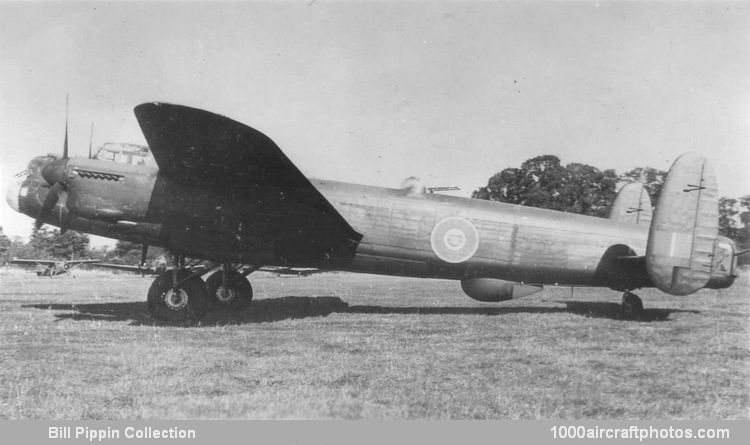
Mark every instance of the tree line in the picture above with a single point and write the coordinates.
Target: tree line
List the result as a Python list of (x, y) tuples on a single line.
[(579, 188), (48, 243)]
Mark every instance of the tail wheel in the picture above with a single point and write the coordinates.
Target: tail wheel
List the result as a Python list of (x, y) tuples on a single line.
[(238, 294), (632, 306), (188, 301)]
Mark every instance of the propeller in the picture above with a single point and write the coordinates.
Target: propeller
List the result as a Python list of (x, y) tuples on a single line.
[(65, 144), (49, 203), (55, 175), (91, 138)]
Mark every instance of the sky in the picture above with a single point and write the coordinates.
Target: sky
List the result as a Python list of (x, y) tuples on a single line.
[(375, 92)]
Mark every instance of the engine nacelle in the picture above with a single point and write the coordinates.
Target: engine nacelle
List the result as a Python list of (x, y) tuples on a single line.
[(490, 290)]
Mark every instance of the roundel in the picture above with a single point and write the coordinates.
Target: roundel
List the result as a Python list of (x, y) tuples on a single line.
[(454, 239)]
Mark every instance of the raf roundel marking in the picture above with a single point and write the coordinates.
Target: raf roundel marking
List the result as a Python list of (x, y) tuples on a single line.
[(454, 239)]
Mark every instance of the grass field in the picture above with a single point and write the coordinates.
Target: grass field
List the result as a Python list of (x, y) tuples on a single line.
[(343, 346)]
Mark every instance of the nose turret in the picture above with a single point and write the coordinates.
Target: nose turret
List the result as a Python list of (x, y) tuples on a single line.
[(13, 195), (29, 188)]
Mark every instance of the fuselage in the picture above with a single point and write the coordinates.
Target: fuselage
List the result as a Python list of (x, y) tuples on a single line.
[(514, 243), (405, 232), (51, 270)]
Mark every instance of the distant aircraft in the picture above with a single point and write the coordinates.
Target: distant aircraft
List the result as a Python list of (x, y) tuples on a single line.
[(223, 192), (156, 267), (51, 268)]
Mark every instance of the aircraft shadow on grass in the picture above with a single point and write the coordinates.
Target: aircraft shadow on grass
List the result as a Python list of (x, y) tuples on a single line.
[(600, 309), (285, 308)]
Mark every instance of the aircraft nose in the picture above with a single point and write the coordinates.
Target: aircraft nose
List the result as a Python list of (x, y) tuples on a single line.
[(12, 196)]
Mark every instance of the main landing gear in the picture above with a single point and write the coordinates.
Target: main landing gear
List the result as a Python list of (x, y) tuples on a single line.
[(180, 294), (632, 306), (227, 288)]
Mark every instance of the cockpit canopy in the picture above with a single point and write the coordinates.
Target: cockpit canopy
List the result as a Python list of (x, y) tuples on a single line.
[(125, 153)]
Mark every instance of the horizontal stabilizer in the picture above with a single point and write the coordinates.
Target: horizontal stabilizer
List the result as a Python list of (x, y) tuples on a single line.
[(632, 206), (681, 239)]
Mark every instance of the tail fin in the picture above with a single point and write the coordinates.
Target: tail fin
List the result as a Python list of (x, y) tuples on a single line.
[(685, 227), (632, 205)]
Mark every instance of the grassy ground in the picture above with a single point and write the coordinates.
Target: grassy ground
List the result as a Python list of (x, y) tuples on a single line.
[(348, 346)]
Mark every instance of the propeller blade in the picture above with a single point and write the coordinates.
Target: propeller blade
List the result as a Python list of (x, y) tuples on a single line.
[(65, 144), (54, 172), (64, 222), (49, 203), (62, 200), (91, 138)]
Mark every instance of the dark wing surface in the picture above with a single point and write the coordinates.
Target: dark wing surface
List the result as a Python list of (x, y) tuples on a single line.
[(26, 261), (126, 268), (199, 148), (297, 271)]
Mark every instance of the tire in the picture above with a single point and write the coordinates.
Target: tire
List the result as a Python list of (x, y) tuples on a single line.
[(632, 306), (188, 302), (240, 293)]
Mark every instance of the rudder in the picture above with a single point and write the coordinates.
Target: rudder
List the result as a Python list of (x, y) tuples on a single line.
[(685, 227), (632, 205)]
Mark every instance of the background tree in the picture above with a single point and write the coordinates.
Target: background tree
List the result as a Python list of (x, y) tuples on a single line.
[(728, 212), (72, 244), (47, 243), (20, 249), (543, 182), (5, 248), (742, 231), (40, 243), (743, 236), (651, 178), (126, 252), (588, 190)]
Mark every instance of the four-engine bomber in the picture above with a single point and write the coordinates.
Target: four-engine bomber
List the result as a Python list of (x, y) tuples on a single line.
[(211, 188)]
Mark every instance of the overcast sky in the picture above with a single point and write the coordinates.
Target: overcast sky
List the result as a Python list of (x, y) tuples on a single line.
[(376, 92)]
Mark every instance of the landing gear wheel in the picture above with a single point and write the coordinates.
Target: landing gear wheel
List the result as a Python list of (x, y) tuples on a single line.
[(632, 306), (187, 302), (237, 295)]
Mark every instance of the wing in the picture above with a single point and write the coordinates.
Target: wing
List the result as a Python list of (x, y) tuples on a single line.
[(77, 262), (298, 271), (125, 267), (26, 261), (198, 148)]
